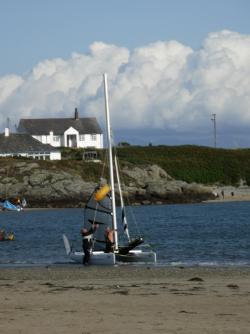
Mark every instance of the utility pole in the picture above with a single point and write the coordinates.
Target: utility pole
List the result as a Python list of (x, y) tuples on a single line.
[(213, 119)]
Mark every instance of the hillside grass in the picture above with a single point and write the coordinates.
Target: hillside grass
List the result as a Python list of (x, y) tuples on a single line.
[(194, 163), (188, 163)]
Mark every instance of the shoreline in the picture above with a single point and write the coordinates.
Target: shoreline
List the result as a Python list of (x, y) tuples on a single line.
[(94, 300), (120, 271), (226, 199)]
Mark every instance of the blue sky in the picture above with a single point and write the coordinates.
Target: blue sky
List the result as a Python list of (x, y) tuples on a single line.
[(34, 30), (171, 65)]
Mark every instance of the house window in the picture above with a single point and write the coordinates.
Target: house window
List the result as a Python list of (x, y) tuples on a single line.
[(56, 138), (82, 137), (93, 137)]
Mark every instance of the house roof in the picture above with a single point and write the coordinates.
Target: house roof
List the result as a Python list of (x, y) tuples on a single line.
[(58, 126), (22, 143)]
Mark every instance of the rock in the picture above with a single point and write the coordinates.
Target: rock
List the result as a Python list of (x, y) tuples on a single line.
[(56, 187), (149, 173), (145, 202), (16, 189), (38, 178), (23, 167)]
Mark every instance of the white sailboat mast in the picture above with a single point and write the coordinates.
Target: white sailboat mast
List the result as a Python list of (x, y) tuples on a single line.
[(111, 169)]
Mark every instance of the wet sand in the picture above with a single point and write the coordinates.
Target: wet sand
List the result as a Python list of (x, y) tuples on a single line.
[(126, 299)]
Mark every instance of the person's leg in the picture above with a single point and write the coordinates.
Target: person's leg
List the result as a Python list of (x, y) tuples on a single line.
[(86, 256)]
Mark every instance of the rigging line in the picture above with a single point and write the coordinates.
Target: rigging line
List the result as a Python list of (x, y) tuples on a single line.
[(102, 171), (127, 197), (130, 209), (123, 211), (96, 205), (104, 164)]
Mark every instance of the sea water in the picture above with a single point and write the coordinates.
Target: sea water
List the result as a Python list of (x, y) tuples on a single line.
[(207, 234)]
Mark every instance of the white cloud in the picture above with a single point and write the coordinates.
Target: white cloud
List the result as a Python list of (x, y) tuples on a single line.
[(163, 85)]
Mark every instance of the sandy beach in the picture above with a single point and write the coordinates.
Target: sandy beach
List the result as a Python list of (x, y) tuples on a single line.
[(126, 299)]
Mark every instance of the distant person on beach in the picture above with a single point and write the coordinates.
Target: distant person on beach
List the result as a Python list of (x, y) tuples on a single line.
[(24, 203), (232, 194), (87, 242), (109, 240), (222, 193)]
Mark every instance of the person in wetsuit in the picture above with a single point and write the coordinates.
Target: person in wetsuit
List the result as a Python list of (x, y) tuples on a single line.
[(109, 240), (87, 242)]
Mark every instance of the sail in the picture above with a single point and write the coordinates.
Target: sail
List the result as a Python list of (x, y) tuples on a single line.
[(99, 212)]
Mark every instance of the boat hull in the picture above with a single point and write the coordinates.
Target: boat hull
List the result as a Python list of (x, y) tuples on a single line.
[(102, 258), (96, 258), (136, 256)]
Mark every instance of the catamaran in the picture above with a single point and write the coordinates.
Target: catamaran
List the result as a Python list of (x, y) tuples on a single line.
[(101, 210)]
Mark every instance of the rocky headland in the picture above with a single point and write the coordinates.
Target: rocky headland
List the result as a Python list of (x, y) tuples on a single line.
[(47, 185)]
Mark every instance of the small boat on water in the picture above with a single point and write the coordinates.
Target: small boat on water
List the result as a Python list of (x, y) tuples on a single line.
[(101, 210), (6, 236), (10, 205)]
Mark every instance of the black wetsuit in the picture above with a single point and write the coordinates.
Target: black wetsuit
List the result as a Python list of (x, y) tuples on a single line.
[(87, 243)]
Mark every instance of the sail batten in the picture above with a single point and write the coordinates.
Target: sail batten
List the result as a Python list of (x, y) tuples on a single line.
[(107, 211)]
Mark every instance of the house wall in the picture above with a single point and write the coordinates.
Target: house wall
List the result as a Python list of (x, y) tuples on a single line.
[(86, 140), (95, 141), (55, 155), (55, 141), (39, 155), (43, 139)]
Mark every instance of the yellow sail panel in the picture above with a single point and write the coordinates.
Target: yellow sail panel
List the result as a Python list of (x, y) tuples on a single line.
[(102, 192)]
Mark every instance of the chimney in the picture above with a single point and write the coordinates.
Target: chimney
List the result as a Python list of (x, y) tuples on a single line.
[(6, 132), (76, 114)]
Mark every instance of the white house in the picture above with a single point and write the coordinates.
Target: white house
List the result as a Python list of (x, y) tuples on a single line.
[(23, 145), (67, 132)]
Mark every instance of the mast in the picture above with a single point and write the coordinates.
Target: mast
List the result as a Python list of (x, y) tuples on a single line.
[(213, 119), (111, 169)]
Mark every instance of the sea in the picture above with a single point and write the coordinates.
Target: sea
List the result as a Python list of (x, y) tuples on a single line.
[(205, 234)]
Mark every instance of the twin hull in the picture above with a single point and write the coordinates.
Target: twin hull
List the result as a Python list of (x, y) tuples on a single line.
[(99, 257)]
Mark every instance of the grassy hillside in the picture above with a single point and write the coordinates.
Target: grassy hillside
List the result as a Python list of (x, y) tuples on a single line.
[(193, 163), (188, 163)]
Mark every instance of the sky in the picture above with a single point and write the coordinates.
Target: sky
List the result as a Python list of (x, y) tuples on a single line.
[(171, 64)]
